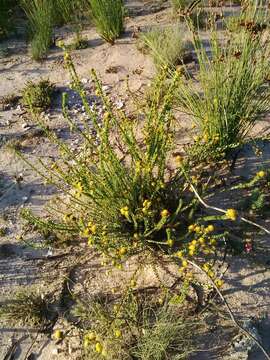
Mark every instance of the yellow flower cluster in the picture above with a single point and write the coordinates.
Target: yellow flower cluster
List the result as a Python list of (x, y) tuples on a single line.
[(92, 339), (78, 189), (261, 174), (124, 211), (231, 214), (146, 205), (202, 242), (89, 230), (164, 213)]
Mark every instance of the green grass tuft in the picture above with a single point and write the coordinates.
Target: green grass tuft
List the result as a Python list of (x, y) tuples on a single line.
[(166, 45), (40, 14), (108, 16)]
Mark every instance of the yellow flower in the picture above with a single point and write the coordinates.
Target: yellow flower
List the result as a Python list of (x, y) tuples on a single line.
[(122, 251), (210, 228), (206, 267), (197, 229), (164, 213), (192, 247), (106, 116), (184, 263), (90, 241), (58, 335), (86, 343), (191, 227), (261, 174), (79, 189), (60, 43), (213, 242), (93, 229), (86, 232), (231, 214), (124, 211), (179, 160), (219, 283), (147, 204), (67, 57), (191, 252), (98, 347), (205, 137), (118, 333), (170, 242), (194, 242), (201, 240), (180, 254)]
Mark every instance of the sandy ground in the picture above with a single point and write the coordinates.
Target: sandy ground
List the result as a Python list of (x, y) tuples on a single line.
[(247, 280)]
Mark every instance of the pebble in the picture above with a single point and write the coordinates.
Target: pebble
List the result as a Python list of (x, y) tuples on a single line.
[(106, 88), (26, 126), (84, 81), (55, 351), (119, 104)]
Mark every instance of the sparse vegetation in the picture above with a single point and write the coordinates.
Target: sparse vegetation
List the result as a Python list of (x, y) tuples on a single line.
[(233, 84), (131, 227), (136, 326), (28, 307), (167, 45), (108, 16), (38, 96), (40, 17)]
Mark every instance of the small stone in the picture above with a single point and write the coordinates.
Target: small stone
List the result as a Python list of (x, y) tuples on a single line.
[(119, 104), (106, 88), (55, 351), (84, 81), (26, 126)]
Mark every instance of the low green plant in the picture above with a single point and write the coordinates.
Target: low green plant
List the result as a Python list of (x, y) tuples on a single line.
[(167, 337), (135, 326), (255, 194), (166, 45), (28, 307), (38, 96), (40, 14), (119, 194), (231, 93), (108, 16)]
